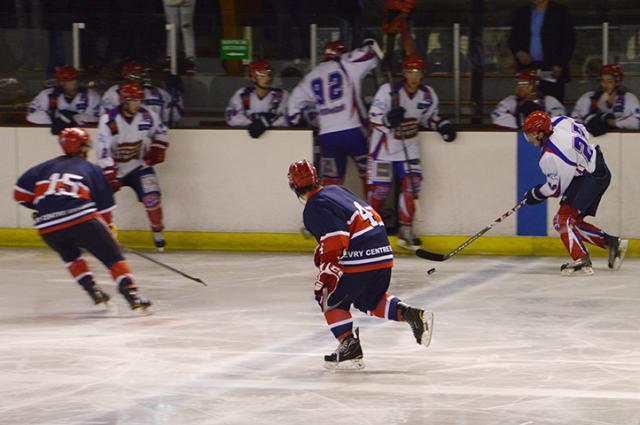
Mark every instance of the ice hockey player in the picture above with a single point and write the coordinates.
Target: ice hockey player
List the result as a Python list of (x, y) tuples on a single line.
[(132, 140), (65, 105), (334, 86), (73, 204), (398, 111), (156, 99), (354, 260), (577, 173), (610, 107), (512, 110), (260, 106)]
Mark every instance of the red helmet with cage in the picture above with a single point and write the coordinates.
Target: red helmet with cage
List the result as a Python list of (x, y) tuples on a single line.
[(132, 71), (302, 176), (412, 63), (259, 67), (72, 140), (613, 69), (537, 121), (529, 75), (130, 91), (333, 50), (66, 73)]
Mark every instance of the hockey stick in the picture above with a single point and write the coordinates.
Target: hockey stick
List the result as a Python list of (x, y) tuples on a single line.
[(160, 263), (443, 257)]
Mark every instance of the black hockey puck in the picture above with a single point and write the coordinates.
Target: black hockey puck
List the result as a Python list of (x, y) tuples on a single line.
[(431, 271)]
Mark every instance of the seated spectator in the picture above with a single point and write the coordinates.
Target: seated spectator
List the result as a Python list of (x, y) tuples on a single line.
[(512, 110), (167, 107), (260, 106), (611, 106), (65, 105)]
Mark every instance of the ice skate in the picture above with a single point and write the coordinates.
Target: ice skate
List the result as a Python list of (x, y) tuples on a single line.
[(617, 250), (421, 323), (136, 302), (348, 355), (582, 266), (407, 239), (96, 293), (158, 241)]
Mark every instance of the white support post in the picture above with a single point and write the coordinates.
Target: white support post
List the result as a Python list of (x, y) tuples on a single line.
[(456, 70), (248, 35), (605, 43), (313, 45), (173, 48), (75, 39)]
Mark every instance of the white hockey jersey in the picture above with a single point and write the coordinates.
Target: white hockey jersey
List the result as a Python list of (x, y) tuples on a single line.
[(421, 110), (156, 99), (565, 155), (123, 143), (245, 102), (335, 86), (625, 107), (85, 105), (507, 115)]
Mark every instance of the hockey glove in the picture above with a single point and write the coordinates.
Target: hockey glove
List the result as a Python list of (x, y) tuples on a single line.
[(156, 153), (111, 173), (446, 130), (62, 120), (596, 124), (259, 124), (534, 196), (394, 117), (328, 277), (316, 256), (528, 107)]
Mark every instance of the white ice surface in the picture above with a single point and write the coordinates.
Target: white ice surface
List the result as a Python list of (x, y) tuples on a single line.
[(514, 343)]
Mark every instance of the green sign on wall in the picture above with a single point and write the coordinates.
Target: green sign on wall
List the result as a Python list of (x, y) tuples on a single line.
[(234, 49)]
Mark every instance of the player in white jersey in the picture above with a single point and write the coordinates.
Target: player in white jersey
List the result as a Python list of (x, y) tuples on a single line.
[(65, 105), (577, 173), (512, 110), (610, 107), (156, 99), (397, 113), (334, 86), (258, 107), (132, 140)]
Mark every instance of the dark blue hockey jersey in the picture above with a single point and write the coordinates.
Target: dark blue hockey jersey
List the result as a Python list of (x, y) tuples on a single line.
[(343, 223), (65, 191)]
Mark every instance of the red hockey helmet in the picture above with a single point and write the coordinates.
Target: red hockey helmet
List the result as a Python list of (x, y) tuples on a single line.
[(132, 71), (259, 67), (333, 50), (613, 69), (130, 91), (413, 63), (529, 75), (66, 73), (302, 176), (72, 140), (536, 122)]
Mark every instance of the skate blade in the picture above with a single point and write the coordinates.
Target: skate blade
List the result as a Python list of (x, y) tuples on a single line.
[(406, 245), (428, 324), (617, 263), (585, 271), (355, 364), (160, 249)]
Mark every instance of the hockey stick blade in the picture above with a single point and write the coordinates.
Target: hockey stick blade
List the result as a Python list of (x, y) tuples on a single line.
[(432, 256), (161, 264)]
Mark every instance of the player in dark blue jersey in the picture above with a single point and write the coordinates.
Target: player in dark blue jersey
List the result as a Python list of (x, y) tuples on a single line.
[(354, 258), (73, 201)]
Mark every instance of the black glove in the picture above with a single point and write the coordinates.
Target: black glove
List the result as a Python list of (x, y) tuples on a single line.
[(258, 126), (596, 124), (534, 196), (528, 107), (394, 117), (62, 120), (446, 130), (267, 116), (606, 117)]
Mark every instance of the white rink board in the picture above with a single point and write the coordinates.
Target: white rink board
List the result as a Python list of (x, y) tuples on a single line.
[(224, 181)]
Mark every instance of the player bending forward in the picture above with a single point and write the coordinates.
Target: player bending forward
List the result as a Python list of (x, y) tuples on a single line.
[(576, 172), (355, 260), (73, 201)]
